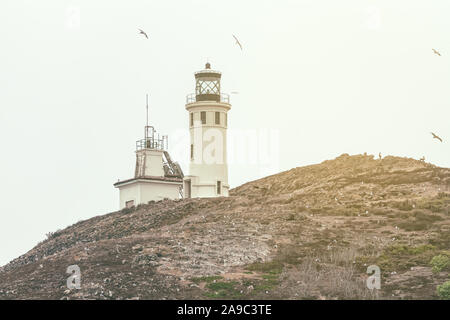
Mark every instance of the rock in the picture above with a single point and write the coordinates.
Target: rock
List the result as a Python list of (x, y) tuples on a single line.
[(146, 259)]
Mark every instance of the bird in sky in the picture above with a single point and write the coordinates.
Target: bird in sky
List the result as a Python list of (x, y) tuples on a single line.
[(143, 32), (436, 52), (237, 41), (436, 137), (234, 92)]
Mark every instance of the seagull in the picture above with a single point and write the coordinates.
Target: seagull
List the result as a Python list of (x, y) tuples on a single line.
[(422, 159), (143, 32), (436, 52), (237, 41), (234, 92), (436, 137), (379, 155)]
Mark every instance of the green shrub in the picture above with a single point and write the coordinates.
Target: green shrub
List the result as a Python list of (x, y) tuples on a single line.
[(419, 221), (440, 262), (422, 216), (207, 279), (413, 225), (266, 267), (400, 257), (443, 291), (404, 206), (223, 290), (291, 217), (439, 203), (52, 235), (441, 240), (443, 195), (221, 285), (127, 210)]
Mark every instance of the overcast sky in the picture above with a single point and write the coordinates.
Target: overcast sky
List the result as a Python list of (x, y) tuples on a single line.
[(320, 78)]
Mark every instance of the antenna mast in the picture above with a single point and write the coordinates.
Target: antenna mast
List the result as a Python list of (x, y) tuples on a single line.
[(147, 107), (146, 123)]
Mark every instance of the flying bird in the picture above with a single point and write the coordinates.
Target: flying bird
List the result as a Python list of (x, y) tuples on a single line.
[(436, 52), (143, 32), (436, 137), (237, 41)]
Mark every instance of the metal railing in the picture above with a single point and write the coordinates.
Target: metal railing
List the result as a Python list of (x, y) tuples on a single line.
[(223, 97), (208, 71), (152, 143)]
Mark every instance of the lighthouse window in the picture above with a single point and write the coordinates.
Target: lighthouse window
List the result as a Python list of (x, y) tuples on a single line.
[(217, 117), (219, 187), (192, 151), (192, 119), (203, 117)]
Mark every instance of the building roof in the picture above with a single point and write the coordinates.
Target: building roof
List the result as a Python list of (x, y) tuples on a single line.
[(150, 178)]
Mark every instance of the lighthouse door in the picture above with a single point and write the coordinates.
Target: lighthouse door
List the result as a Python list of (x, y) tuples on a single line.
[(187, 188)]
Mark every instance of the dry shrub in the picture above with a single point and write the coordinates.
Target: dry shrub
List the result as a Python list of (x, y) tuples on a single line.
[(330, 276)]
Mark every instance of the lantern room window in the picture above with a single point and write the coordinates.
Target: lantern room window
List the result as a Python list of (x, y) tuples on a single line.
[(203, 117), (217, 117)]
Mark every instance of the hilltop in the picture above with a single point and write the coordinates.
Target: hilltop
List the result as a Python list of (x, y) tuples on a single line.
[(306, 233)]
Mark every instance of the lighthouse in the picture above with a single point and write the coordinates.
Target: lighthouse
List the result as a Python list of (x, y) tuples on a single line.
[(208, 122), (156, 175)]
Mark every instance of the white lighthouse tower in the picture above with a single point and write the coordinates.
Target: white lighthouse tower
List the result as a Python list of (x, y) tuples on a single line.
[(156, 176), (207, 108)]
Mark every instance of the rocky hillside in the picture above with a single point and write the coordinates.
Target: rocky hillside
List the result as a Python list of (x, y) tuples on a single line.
[(307, 233)]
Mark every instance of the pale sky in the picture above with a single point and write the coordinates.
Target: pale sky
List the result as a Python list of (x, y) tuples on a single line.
[(328, 77)]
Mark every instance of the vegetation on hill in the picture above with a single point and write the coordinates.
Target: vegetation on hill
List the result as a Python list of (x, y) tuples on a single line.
[(307, 233)]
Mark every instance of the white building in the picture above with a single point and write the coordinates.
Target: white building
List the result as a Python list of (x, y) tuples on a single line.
[(156, 176), (207, 107)]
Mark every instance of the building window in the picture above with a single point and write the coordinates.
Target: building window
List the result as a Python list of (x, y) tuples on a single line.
[(217, 117), (203, 116), (192, 119), (129, 204), (192, 151), (219, 187)]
